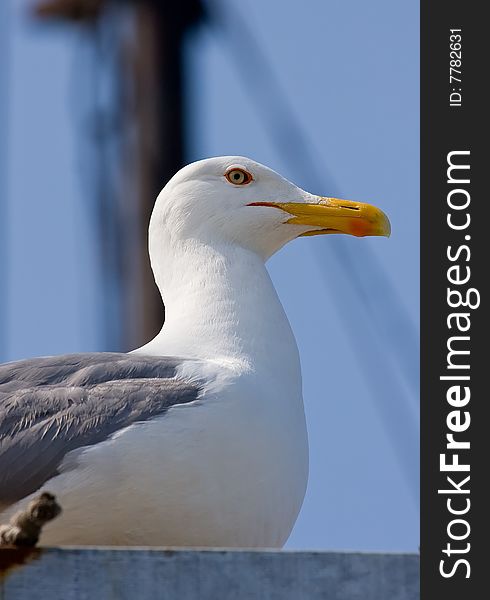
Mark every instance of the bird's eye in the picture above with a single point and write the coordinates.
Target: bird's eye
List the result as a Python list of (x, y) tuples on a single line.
[(238, 176)]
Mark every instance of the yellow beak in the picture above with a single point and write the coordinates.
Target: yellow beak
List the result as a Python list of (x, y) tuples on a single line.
[(332, 215)]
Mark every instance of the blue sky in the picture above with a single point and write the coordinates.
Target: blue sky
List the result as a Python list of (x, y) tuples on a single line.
[(349, 70)]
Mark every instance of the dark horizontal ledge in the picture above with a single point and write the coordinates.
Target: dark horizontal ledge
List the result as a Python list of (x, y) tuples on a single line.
[(164, 573)]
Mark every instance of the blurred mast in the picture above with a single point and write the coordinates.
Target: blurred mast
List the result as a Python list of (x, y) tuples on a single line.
[(151, 70), (157, 59)]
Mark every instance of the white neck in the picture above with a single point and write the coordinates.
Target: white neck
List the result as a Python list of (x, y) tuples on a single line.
[(220, 304)]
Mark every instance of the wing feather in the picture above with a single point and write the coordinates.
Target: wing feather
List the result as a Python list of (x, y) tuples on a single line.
[(51, 406)]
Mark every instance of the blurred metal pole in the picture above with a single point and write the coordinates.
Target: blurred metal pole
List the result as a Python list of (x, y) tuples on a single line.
[(4, 108), (158, 77)]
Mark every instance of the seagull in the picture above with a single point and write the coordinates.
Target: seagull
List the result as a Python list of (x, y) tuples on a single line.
[(198, 438)]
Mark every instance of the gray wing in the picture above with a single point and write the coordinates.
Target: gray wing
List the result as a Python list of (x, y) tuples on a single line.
[(51, 406)]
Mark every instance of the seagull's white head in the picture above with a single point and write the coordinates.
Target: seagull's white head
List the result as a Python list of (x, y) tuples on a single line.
[(235, 200)]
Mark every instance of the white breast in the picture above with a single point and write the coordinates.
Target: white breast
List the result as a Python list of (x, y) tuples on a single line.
[(228, 470)]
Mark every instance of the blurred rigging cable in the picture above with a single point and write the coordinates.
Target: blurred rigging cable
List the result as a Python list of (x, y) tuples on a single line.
[(383, 322), (107, 218), (94, 137), (4, 109), (97, 104)]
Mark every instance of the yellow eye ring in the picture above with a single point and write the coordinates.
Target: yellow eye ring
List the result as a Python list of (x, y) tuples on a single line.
[(238, 176)]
